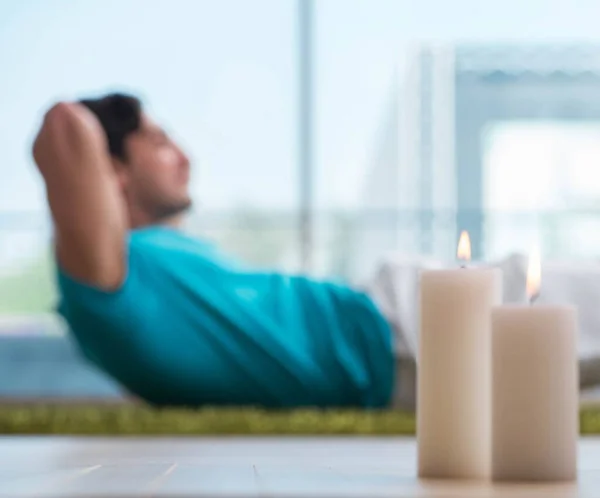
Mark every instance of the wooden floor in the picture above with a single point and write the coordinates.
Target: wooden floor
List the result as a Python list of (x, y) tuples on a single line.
[(365, 467)]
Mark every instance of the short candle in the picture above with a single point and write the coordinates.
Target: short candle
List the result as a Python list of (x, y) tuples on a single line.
[(535, 421)]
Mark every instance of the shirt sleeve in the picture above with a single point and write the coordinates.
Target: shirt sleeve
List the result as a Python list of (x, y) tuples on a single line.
[(133, 301), (76, 291)]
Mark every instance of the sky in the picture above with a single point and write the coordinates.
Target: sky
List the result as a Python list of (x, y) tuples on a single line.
[(542, 167), (222, 76)]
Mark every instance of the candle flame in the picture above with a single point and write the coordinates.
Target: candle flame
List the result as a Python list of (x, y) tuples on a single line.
[(534, 274), (464, 247)]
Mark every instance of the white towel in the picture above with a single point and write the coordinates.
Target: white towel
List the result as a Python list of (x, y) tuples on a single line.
[(395, 289)]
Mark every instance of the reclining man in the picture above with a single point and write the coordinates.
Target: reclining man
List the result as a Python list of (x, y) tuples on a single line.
[(175, 321)]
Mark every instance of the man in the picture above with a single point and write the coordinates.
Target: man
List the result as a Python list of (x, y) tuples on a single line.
[(176, 322), (171, 318)]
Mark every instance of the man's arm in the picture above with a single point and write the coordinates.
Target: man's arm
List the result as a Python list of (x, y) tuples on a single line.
[(83, 193)]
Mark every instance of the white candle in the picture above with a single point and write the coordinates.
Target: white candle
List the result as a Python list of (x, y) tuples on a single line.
[(454, 372), (535, 421)]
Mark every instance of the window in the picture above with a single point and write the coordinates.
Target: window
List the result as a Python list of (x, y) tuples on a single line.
[(430, 113), (220, 75), (427, 118)]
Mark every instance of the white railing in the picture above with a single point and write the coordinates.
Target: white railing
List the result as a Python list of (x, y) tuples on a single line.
[(346, 244)]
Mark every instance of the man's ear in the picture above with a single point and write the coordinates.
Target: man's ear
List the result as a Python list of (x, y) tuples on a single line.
[(120, 169)]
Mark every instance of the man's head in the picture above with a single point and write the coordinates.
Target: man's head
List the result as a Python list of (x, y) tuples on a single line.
[(152, 169)]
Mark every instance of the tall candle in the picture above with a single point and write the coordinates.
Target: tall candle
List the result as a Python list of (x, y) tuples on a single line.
[(454, 371), (535, 421)]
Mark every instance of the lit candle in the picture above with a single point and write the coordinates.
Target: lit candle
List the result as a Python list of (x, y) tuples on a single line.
[(535, 421), (454, 370)]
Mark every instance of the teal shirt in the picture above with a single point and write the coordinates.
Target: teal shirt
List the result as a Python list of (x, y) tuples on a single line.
[(190, 327)]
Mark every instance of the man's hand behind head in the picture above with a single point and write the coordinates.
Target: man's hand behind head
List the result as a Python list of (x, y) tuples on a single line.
[(72, 155)]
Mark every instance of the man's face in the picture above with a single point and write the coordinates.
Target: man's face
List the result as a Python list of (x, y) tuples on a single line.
[(156, 176)]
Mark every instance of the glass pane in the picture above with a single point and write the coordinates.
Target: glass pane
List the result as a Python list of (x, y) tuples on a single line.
[(542, 185), (433, 115), (220, 75)]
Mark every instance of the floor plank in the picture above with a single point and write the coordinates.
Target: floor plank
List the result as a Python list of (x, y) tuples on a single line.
[(47, 467)]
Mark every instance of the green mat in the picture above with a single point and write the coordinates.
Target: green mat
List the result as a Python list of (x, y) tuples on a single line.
[(140, 420)]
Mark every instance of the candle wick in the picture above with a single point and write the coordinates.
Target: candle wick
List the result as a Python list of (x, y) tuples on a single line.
[(534, 298)]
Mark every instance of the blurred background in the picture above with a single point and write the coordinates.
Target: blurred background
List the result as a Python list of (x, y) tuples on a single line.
[(324, 133)]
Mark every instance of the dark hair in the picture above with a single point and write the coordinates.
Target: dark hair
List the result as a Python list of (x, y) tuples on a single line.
[(120, 115)]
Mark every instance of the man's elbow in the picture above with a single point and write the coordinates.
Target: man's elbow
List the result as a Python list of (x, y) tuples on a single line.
[(59, 114), (57, 121)]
